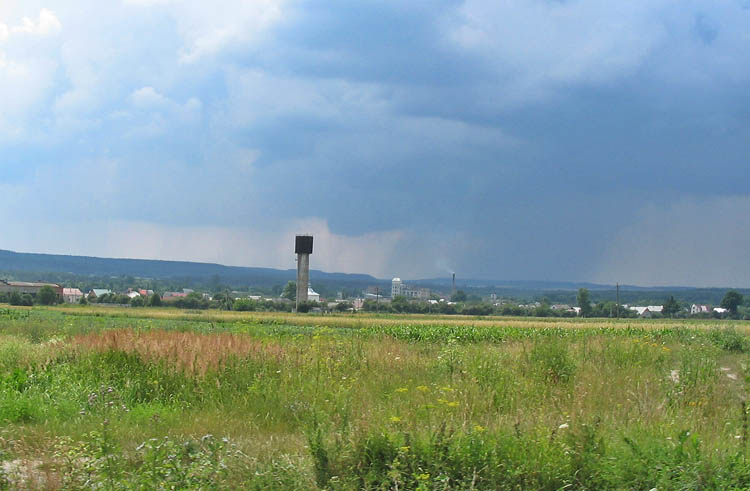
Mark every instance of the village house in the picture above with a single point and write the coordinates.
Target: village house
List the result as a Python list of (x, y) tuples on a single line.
[(647, 311), (72, 295), (98, 292), (312, 295), (699, 309)]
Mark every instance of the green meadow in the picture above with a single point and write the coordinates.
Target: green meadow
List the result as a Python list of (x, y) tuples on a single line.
[(165, 399)]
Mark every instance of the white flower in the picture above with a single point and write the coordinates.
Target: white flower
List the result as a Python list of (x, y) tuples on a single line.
[(562, 426), (674, 375)]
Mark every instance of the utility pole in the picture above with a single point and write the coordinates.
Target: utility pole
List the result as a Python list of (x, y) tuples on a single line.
[(377, 299)]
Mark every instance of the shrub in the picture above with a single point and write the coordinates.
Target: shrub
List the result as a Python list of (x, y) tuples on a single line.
[(47, 295), (729, 339), (551, 359)]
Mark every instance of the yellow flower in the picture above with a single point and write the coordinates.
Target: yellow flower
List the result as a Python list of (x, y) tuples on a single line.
[(404, 449), (453, 404), (395, 419), (402, 389), (478, 428), (448, 389), (422, 388), (423, 477)]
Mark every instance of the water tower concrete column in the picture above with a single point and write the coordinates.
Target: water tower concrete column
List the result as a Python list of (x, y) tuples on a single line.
[(303, 246)]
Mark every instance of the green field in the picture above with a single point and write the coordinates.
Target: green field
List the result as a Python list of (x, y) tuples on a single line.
[(159, 398)]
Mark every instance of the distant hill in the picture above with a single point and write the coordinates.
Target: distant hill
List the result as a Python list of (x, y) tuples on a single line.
[(88, 272), (155, 269)]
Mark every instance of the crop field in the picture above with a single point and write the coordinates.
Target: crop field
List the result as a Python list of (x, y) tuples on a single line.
[(166, 399)]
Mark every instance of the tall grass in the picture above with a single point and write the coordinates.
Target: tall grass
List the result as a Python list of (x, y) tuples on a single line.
[(127, 401)]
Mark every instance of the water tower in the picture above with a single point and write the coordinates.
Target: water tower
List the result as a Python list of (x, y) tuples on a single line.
[(303, 245)]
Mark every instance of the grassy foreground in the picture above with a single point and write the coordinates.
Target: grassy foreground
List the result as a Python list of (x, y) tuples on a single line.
[(149, 399)]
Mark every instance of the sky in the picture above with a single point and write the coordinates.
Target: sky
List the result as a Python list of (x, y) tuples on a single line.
[(574, 140)]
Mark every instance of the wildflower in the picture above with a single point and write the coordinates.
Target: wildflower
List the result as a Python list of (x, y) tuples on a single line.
[(404, 449), (674, 375), (395, 419), (452, 404), (478, 428), (732, 376), (402, 389), (422, 388), (423, 477), (563, 426)]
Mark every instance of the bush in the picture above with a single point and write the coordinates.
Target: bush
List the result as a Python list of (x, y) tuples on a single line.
[(551, 359), (245, 305), (730, 340), (307, 306), (47, 295)]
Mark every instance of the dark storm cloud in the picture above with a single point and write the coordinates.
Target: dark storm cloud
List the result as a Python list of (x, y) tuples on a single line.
[(508, 140)]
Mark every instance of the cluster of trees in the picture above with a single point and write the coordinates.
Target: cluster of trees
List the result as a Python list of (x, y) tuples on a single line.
[(250, 305), (732, 301), (46, 296), (122, 299)]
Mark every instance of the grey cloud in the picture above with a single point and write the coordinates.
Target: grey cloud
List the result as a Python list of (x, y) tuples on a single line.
[(512, 140), (691, 242)]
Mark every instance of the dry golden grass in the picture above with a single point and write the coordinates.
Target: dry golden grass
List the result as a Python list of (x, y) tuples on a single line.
[(363, 319), (192, 352)]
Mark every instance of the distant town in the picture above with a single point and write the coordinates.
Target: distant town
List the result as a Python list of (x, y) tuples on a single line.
[(402, 297)]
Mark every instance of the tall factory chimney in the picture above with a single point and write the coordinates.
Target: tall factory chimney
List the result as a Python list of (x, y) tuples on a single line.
[(454, 283), (303, 247)]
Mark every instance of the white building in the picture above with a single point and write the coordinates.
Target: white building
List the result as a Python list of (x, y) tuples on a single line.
[(72, 295), (398, 287), (647, 311), (312, 295), (699, 309)]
